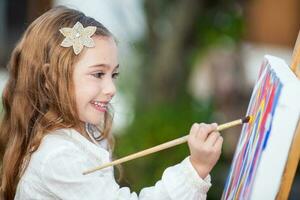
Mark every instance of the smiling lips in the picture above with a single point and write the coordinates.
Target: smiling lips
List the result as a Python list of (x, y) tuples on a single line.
[(100, 106)]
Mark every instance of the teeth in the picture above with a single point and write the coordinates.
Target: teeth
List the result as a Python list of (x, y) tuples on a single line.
[(99, 104)]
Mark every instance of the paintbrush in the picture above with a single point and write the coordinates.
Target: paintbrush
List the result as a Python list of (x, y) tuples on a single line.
[(166, 145)]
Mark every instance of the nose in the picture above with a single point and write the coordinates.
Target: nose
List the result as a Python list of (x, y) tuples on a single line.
[(109, 88)]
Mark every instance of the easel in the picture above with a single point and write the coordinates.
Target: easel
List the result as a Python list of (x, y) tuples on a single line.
[(294, 153)]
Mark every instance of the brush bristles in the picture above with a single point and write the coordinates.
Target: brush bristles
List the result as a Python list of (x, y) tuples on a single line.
[(246, 119)]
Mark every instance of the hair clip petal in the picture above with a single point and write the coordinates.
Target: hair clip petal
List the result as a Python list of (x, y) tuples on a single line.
[(67, 32), (78, 27), (77, 47), (78, 37), (90, 30), (66, 42), (88, 42)]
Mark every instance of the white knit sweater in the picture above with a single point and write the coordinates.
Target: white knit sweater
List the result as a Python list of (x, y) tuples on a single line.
[(55, 172)]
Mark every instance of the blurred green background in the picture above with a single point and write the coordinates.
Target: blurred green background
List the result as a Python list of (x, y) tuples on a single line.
[(164, 109)]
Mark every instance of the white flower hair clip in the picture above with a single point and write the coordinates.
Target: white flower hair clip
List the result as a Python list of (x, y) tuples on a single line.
[(78, 37)]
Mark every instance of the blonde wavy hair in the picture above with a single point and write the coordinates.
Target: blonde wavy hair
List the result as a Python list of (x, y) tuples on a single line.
[(39, 95)]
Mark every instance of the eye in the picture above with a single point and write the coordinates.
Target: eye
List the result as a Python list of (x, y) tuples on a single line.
[(98, 75), (115, 75)]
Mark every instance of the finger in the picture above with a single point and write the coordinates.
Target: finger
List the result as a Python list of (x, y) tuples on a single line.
[(205, 130), (194, 130), (212, 138), (219, 143), (202, 132)]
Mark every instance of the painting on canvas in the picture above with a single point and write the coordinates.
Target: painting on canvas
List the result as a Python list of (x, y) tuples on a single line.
[(275, 115)]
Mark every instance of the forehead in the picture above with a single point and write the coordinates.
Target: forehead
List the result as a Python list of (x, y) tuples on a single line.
[(105, 52)]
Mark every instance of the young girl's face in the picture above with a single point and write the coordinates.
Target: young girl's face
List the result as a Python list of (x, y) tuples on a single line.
[(94, 76)]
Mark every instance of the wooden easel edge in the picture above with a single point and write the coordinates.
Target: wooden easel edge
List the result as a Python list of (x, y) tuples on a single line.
[(294, 152)]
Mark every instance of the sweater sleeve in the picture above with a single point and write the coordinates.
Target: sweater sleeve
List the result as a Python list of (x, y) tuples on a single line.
[(180, 181), (62, 177)]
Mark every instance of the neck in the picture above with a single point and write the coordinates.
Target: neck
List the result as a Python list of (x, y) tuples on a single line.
[(81, 129)]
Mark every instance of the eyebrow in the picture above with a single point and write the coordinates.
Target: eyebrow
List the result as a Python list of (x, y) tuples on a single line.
[(104, 65)]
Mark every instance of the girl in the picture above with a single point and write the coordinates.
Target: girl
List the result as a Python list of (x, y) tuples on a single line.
[(57, 119)]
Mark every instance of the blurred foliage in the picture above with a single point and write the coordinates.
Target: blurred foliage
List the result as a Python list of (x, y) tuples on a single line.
[(217, 25), (160, 124), (157, 125), (165, 119)]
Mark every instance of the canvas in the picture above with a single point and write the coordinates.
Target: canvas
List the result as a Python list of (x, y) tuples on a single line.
[(262, 150)]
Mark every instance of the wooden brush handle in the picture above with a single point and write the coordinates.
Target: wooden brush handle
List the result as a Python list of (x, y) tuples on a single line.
[(158, 148)]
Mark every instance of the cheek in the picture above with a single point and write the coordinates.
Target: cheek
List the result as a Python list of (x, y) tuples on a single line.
[(86, 92)]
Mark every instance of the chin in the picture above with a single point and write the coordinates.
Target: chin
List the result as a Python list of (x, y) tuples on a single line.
[(96, 121)]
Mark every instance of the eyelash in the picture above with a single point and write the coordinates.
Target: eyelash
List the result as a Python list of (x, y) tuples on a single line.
[(115, 75)]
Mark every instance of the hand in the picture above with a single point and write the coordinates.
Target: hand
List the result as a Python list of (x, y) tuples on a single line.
[(205, 144)]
